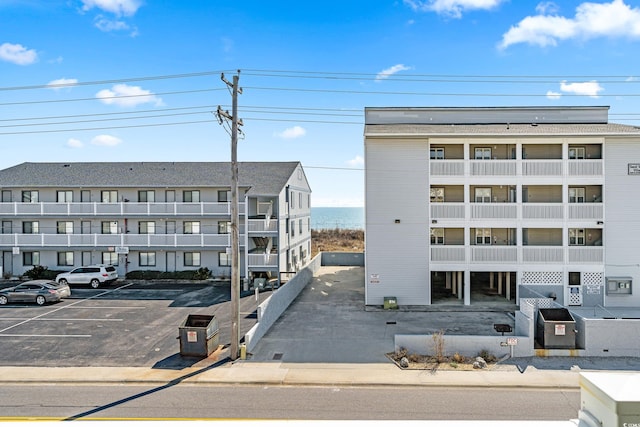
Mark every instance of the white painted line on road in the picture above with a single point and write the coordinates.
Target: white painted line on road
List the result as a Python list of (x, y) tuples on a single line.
[(136, 307), (62, 308), (61, 319), (44, 336)]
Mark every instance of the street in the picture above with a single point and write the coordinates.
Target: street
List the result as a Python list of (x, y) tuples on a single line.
[(173, 401)]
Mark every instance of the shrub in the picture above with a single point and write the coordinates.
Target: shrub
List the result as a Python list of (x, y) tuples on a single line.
[(202, 273), (40, 272)]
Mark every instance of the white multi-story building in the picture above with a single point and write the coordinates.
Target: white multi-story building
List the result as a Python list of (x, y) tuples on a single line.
[(522, 201), (167, 216)]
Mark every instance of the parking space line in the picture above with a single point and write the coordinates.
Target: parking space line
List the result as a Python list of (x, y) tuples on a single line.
[(62, 319), (45, 336), (62, 308)]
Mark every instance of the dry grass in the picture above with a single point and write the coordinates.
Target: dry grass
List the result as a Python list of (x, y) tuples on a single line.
[(336, 240)]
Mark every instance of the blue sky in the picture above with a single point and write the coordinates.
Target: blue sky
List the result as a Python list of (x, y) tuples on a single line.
[(133, 80)]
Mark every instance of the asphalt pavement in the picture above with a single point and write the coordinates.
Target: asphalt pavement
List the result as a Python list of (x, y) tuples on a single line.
[(326, 337)]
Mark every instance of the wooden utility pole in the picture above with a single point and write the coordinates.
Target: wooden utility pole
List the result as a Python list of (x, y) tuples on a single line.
[(235, 239)]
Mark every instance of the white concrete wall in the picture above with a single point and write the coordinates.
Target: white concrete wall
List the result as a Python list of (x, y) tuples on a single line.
[(396, 218), (622, 217)]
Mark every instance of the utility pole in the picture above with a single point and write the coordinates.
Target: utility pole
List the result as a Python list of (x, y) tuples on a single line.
[(235, 239)]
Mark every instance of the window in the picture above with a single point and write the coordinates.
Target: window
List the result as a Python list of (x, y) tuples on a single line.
[(293, 200), (30, 227), (30, 196), (437, 194), (224, 196), (192, 227), (110, 258), (436, 153), (483, 153), (65, 258), (64, 196), (6, 196), (293, 228), (576, 152), (224, 259), (192, 259), (437, 236), (300, 199), (7, 227), (483, 236), (300, 226), (576, 195), (224, 227), (147, 259), (483, 195), (31, 258), (146, 227), (191, 196), (65, 227), (576, 236), (146, 196), (109, 196), (109, 227)]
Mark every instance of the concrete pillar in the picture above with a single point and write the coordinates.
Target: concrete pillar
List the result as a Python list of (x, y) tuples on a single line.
[(467, 287), (460, 284), (500, 283), (491, 286), (447, 280), (509, 285), (454, 287)]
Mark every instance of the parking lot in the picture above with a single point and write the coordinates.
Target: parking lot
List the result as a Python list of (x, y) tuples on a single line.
[(123, 324)]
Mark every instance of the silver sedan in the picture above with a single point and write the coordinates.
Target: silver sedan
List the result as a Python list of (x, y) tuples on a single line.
[(38, 291)]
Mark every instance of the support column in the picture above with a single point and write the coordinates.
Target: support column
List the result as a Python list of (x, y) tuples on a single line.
[(500, 283), (491, 286), (467, 287), (454, 287), (460, 285), (447, 280), (509, 285)]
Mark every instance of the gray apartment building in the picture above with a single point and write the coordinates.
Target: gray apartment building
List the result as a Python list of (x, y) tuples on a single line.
[(165, 216)]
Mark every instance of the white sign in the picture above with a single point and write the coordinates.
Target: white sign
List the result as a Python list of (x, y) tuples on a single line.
[(122, 249), (192, 336), (512, 341), (561, 329), (374, 278)]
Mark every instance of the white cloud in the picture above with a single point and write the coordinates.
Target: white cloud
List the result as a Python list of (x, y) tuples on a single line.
[(124, 95), (62, 83), (614, 19), (356, 161), (385, 74), (590, 89), (452, 8), (106, 141), (117, 7), (75, 143), (547, 8), (631, 79), (553, 95), (292, 133), (17, 54), (107, 25)]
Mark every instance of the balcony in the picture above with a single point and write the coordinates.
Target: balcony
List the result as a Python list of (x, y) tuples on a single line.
[(490, 253), (494, 211), (447, 253), (585, 167), (268, 225), (542, 167), (545, 211), (447, 210), (116, 209), (493, 167), (586, 254), (593, 211), (263, 260), (105, 240), (543, 254)]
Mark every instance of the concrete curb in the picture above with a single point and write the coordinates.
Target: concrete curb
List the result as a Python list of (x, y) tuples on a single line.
[(250, 373)]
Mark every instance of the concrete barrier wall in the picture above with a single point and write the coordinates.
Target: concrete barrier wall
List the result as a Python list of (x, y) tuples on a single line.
[(608, 337), (465, 345), (273, 307), (355, 259)]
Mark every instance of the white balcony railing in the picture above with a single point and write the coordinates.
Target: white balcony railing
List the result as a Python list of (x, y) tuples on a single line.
[(586, 167), (494, 254), (494, 211), (104, 240), (542, 211), (586, 211), (263, 260), (263, 225), (116, 209), (446, 253), (542, 167), (493, 167), (447, 210), (586, 254), (543, 254), (446, 168)]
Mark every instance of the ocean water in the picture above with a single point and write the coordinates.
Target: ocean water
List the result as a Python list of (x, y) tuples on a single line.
[(342, 218)]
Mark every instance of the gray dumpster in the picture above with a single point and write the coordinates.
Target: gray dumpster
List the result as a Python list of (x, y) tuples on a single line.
[(198, 335), (556, 328)]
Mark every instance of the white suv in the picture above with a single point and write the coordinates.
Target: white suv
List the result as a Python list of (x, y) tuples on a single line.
[(94, 275)]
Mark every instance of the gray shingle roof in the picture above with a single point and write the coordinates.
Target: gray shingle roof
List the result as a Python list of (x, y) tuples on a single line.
[(603, 129), (266, 178)]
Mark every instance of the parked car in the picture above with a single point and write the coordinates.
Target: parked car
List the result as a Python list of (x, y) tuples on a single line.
[(94, 275), (38, 291)]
